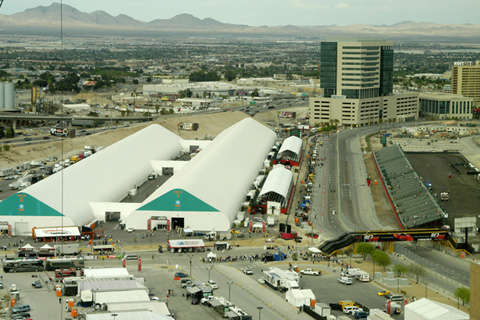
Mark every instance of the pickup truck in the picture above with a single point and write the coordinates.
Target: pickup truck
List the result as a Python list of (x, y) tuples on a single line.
[(310, 272)]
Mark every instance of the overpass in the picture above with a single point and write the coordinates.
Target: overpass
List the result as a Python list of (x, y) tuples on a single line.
[(390, 236), (13, 118)]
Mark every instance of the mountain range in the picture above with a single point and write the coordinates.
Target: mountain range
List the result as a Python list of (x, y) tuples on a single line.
[(46, 19)]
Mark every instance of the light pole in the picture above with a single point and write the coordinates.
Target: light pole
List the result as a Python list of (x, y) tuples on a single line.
[(114, 315), (229, 291), (190, 256), (259, 312), (209, 269)]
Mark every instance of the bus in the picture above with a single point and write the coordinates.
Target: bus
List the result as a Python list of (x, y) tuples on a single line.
[(64, 263), (23, 265), (103, 249)]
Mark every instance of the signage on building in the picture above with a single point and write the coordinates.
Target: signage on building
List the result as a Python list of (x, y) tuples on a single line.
[(463, 63)]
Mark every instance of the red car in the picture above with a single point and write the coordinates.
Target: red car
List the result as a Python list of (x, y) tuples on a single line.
[(403, 236)]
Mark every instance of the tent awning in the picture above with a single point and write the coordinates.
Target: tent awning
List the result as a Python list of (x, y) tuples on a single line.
[(195, 243), (56, 232)]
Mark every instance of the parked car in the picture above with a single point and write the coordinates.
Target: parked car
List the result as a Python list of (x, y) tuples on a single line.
[(310, 272), (195, 300), (360, 315), (181, 275), (37, 284), (351, 310), (207, 300), (130, 230), (185, 282), (21, 316), (131, 257), (345, 280), (21, 308), (212, 284)]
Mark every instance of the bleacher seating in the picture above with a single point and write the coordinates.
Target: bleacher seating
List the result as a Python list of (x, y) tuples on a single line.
[(413, 202)]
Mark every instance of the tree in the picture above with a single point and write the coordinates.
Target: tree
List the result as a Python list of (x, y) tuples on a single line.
[(2, 132), (462, 294), (365, 249), (400, 269), (230, 75), (381, 258), (10, 133), (418, 271)]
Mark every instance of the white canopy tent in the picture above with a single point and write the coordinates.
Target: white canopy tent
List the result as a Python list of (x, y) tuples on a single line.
[(278, 185), (291, 149)]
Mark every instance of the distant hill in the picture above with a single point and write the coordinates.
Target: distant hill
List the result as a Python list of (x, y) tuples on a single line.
[(39, 19)]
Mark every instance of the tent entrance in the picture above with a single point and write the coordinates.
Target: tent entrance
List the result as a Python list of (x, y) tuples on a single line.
[(178, 222)]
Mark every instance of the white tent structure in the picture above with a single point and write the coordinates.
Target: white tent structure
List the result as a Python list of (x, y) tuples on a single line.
[(425, 309), (207, 193), (63, 198), (278, 185), (291, 149)]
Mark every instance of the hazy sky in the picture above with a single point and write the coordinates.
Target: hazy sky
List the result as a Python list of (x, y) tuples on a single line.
[(279, 12)]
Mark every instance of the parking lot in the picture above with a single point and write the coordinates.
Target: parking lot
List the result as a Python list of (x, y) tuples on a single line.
[(463, 189)]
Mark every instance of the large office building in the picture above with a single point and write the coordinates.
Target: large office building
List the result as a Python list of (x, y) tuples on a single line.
[(466, 79), (444, 106), (357, 81), (356, 69)]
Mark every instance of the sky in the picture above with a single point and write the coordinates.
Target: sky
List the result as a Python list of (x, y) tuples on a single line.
[(279, 12)]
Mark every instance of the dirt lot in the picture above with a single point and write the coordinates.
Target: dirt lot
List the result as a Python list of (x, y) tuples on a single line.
[(209, 125)]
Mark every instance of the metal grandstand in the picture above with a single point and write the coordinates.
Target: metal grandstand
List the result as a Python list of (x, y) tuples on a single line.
[(413, 203)]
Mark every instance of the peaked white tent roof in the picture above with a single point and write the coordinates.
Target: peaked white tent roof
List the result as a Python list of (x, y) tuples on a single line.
[(222, 172), (106, 175), (292, 144), (279, 181), (429, 309)]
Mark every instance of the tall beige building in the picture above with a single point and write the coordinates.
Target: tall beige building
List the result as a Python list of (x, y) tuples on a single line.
[(356, 76), (466, 79)]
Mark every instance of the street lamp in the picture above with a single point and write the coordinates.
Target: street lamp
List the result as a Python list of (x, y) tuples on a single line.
[(191, 256), (259, 312), (114, 315), (209, 269), (229, 291)]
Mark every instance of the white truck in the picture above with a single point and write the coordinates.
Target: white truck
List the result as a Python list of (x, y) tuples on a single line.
[(214, 235), (66, 249), (310, 272), (363, 276)]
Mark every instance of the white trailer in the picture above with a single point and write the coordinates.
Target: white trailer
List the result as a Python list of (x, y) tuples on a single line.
[(66, 249), (6, 172), (282, 280)]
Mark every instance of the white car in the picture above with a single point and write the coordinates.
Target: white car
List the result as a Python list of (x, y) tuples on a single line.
[(248, 272), (310, 272), (212, 284), (130, 230), (345, 280)]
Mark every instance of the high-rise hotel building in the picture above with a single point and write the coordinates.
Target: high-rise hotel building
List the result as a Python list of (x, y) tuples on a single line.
[(466, 79), (356, 77)]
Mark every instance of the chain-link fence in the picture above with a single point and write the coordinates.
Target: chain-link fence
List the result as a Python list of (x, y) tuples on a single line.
[(438, 268)]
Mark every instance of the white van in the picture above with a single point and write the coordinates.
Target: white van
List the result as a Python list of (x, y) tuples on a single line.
[(351, 309)]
